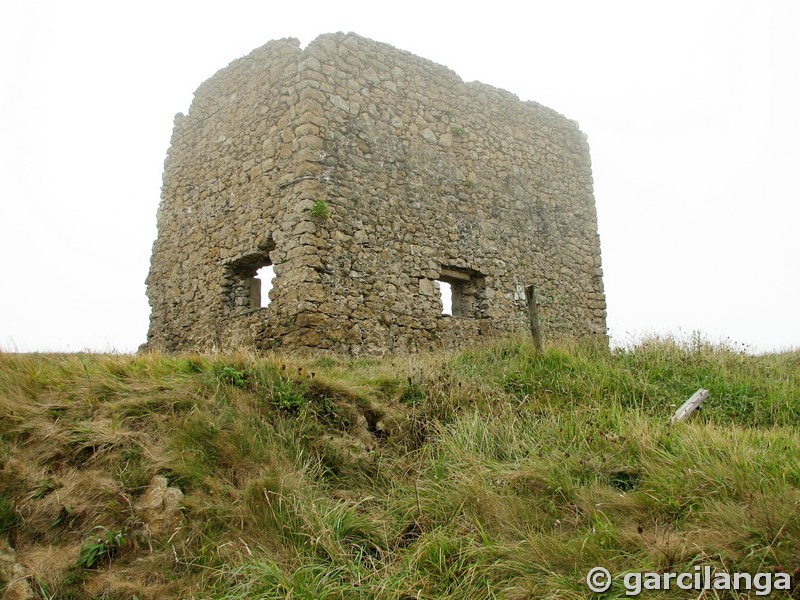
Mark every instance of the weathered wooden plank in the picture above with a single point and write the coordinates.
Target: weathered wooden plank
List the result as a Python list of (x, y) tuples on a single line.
[(533, 318), (690, 406)]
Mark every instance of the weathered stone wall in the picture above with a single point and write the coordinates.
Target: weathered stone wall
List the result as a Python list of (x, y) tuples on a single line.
[(426, 178)]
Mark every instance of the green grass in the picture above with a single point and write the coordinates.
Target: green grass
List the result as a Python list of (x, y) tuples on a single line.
[(495, 472)]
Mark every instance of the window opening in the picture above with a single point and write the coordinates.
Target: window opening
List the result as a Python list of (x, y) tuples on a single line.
[(463, 292), (264, 277), (446, 292), (248, 281)]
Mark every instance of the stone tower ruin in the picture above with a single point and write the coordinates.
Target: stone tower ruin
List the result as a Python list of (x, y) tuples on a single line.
[(368, 178)]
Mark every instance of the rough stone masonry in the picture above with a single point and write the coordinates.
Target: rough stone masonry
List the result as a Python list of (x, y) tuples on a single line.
[(369, 177)]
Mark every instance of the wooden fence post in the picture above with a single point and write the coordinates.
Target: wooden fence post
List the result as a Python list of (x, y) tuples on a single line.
[(690, 406), (533, 318)]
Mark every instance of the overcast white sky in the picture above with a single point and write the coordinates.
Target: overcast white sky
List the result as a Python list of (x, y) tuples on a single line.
[(691, 108)]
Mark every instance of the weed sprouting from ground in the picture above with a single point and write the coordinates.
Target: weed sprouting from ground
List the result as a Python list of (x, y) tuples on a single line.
[(492, 472), (102, 546)]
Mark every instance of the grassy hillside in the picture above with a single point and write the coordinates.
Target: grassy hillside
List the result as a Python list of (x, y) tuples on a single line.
[(491, 473)]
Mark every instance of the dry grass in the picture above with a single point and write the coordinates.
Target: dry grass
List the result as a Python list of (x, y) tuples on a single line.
[(493, 472)]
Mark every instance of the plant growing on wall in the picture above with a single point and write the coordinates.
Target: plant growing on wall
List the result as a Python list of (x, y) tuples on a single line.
[(320, 210)]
